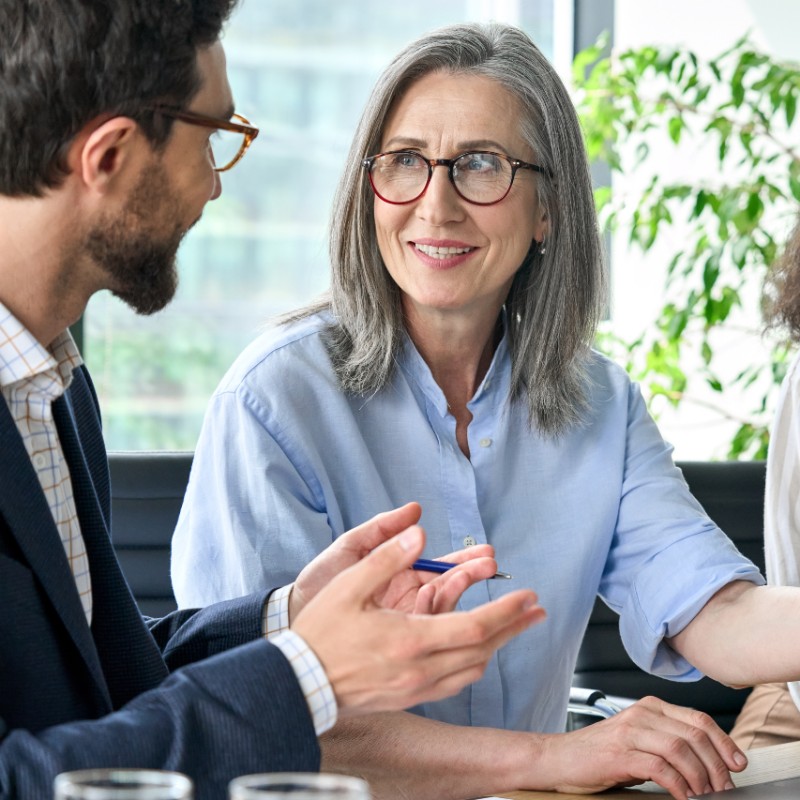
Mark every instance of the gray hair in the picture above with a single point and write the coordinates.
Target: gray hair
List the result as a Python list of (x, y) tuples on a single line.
[(556, 298)]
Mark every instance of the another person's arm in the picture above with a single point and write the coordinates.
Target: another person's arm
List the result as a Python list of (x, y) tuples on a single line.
[(404, 755), (243, 711), (660, 525), (745, 635)]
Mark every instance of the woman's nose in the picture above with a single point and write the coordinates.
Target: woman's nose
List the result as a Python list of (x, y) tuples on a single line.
[(441, 203)]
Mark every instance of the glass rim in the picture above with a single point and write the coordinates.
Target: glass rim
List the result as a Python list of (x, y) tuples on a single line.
[(323, 780), (95, 783)]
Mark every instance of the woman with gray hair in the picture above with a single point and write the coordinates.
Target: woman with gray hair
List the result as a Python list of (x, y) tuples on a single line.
[(451, 364)]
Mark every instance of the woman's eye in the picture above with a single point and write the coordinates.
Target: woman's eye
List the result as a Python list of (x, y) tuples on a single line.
[(406, 160), (479, 163)]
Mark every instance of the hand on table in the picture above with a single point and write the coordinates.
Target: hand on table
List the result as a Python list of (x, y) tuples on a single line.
[(387, 659), (681, 749)]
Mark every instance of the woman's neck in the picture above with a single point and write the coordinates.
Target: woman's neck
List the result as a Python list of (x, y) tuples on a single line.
[(458, 353)]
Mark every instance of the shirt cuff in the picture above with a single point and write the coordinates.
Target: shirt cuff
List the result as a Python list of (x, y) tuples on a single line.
[(276, 612), (312, 678)]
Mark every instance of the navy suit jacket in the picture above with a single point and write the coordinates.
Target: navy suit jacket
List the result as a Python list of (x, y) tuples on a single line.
[(73, 697)]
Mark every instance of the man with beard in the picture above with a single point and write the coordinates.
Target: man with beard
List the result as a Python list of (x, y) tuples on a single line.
[(106, 109)]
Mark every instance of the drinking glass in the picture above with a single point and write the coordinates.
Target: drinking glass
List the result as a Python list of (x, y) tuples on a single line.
[(298, 786), (123, 784)]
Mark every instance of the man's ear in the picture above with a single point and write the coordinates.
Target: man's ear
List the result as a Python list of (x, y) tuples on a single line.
[(104, 153)]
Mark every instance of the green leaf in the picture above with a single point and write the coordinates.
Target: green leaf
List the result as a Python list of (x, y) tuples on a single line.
[(710, 273), (755, 206), (737, 90), (699, 204), (674, 127), (790, 104)]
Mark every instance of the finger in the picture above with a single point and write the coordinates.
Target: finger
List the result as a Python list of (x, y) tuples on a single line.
[(700, 770), (444, 591), (529, 616), (687, 739), (459, 629), (646, 766), (733, 757), (446, 672), (375, 570), (468, 553), (451, 683), (382, 527)]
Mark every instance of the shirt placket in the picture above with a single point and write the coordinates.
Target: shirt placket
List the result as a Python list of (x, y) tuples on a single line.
[(460, 491)]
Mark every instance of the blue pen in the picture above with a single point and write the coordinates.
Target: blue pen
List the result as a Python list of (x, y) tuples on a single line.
[(426, 565)]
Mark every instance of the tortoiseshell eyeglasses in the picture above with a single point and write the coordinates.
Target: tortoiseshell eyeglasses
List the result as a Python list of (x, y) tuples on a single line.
[(230, 139)]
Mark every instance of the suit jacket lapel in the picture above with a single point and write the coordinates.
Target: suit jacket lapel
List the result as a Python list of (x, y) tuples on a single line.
[(25, 509), (131, 660)]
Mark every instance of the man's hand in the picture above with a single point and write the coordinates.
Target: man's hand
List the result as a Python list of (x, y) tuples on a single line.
[(409, 590), (680, 749), (382, 659)]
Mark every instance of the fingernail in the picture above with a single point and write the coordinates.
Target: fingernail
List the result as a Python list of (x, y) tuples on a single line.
[(708, 789), (729, 786), (739, 758), (408, 538)]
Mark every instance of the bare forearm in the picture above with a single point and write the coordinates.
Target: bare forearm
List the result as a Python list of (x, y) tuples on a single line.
[(406, 757), (746, 635)]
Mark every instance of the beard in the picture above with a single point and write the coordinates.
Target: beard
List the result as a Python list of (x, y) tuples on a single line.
[(137, 247)]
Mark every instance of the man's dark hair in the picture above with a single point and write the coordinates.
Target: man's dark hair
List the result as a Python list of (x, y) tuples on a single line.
[(65, 62)]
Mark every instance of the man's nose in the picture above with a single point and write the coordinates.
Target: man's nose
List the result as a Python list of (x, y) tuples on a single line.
[(217, 190)]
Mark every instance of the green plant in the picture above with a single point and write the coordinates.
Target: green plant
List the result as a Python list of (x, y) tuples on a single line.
[(742, 107)]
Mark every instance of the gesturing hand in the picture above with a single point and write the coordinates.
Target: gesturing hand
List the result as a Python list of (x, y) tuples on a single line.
[(408, 590), (382, 659)]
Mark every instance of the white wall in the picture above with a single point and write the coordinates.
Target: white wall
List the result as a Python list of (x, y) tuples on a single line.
[(707, 27)]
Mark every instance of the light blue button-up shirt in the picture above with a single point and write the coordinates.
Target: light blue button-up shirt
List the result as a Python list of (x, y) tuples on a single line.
[(286, 462)]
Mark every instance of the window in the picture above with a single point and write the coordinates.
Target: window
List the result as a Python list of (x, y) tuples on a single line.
[(301, 71)]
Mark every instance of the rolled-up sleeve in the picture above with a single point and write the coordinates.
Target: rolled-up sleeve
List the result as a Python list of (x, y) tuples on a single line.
[(667, 557)]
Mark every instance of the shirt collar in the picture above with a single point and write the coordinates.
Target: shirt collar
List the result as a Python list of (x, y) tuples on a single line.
[(22, 356)]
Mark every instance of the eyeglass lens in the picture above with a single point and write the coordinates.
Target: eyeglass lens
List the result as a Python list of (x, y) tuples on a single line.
[(480, 177), (226, 145)]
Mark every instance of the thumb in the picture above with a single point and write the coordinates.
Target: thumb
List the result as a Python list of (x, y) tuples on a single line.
[(367, 536), (382, 564)]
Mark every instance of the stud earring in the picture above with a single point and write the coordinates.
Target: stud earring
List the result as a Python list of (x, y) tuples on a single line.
[(542, 247)]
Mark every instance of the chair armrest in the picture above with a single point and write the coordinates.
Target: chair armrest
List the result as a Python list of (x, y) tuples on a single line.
[(593, 703)]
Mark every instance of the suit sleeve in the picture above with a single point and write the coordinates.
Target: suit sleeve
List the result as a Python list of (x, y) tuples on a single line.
[(236, 713), (191, 635)]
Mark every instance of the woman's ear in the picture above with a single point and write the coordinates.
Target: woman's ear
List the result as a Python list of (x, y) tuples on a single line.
[(541, 230), (99, 156)]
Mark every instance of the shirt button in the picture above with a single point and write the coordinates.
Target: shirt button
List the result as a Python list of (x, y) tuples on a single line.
[(485, 442), (469, 541), (39, 460)]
